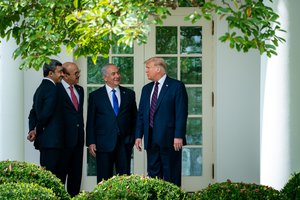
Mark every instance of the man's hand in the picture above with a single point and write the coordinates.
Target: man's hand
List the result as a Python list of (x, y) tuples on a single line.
[(31, 135), (92, 150), (178, 143), (138, 144)]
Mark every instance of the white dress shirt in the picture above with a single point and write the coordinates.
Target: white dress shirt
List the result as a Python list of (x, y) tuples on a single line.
[(109, 93)]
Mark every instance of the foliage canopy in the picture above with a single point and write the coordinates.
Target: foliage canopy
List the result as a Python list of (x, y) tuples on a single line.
[(41, 27)]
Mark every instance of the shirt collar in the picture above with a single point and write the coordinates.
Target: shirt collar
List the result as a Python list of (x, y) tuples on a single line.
[(162, 80), (109, 89), (49, 79), (65, 84)]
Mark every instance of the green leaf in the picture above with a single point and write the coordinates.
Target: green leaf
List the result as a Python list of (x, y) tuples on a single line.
[(75, 3), (269, 46)]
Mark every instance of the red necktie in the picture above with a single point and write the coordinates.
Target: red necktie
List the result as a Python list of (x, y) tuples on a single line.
[(153, 104), (74, 98)]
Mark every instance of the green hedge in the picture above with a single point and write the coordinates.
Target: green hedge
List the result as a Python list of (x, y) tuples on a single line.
[(21, 180), (25, 191), (292, 187), (134, 187), (238, 191), (15, 171)]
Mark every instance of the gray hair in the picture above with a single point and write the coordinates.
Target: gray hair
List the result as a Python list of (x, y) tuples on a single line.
[(104, 69)]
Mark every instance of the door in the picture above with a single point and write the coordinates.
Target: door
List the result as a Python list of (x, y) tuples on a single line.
[(187, 49)]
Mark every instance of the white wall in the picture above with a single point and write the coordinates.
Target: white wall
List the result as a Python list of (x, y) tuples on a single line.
[(11, 104), (237, 108), (280, 111)]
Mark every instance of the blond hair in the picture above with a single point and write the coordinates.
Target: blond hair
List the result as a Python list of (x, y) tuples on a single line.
[(158, 61)]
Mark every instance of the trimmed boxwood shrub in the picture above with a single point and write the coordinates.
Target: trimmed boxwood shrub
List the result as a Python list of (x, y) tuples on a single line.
[(134, 187), (292, 187), (236, 191), (15, 171), (25, 191)]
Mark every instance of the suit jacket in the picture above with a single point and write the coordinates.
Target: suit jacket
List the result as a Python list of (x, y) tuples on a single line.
[(103, 126), (45, 117), (72, 119), (170, 115)]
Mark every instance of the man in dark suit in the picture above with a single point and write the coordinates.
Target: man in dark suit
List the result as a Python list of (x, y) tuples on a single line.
[(110, 125), (71, 97), (45, 121), (161, 120)]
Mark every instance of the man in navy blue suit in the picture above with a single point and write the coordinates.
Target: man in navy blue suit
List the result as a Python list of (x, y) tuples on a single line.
[(45, 120), (110, 125), (161, 120), (71, 97)]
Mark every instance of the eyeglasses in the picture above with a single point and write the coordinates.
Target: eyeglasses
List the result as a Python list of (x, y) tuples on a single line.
[(76, 73)]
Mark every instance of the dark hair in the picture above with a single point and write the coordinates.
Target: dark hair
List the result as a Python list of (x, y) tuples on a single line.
[(50, 66)]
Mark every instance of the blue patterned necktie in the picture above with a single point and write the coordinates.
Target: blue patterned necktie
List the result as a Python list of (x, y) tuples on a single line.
[(115, 102), (153, 104)]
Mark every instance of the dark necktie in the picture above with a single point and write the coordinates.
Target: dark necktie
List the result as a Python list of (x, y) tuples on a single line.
[(115, 102), (153, 104), (74, 98)]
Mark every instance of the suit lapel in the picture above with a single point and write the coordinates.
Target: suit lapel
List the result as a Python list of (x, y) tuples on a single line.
[(148, 97), (105, 100), (162, 93), (123, 98), (80, 94), (65, 94)]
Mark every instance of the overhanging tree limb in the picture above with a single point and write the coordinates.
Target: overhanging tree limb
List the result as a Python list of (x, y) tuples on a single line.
[(41, 27)]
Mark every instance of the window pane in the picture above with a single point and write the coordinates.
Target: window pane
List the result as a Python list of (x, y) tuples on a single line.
[(91, 89), (166, 40), (93, 70), (120, 49), (190, 40), (171, 66), (195, 101), (194, 131), (191, 70), (192, 161), (125, 65)]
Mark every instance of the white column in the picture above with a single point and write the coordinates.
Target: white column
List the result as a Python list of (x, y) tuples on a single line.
[(280, 130), (237, 108), (32, 79), (11, 104)]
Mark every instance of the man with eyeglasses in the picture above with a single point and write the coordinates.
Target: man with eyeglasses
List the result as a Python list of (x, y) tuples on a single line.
[(72, 98)]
